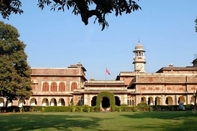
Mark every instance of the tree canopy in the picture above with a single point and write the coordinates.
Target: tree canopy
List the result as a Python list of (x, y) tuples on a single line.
[(15, 80), (79, 7)]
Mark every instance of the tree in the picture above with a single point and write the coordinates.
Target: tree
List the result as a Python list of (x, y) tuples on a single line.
[(15, 80), (10, 6), (196, 25), (81, 7)]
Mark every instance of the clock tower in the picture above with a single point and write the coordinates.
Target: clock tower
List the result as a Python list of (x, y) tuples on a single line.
[(139, 58)]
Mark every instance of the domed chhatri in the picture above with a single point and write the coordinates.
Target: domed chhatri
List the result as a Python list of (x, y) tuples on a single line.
[(139, 58), (139, 46)]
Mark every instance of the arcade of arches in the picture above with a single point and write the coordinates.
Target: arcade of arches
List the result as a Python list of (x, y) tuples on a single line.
[(150, 100), (166, 100)]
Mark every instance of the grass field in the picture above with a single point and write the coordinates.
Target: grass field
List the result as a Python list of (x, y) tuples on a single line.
[(111, 121)]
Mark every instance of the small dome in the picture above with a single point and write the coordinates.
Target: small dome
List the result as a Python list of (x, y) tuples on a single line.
[(139, 47)]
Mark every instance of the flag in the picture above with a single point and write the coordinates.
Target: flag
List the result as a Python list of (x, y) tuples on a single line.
[(107, 71)]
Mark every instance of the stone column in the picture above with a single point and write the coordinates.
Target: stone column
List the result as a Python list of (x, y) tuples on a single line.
[(50, 85), (162, 100), (125, 99), (85, 99), (175, 100), (146, 100), (136, 101), (187, 100), (153, 100), (58, 83)]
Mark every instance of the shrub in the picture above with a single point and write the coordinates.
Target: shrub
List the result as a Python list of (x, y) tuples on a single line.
[(151, 109), (96, 108), (126, 108), (56, 109), (143, 107), (72, 108), (123, 105), (135, 109), (118, 108), (21, 109), (189, 107), (86, 108), (3, 109), (142, 104), (79, 109), (13, 109)]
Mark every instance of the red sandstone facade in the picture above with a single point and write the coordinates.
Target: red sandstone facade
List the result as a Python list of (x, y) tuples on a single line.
[(61, 86)]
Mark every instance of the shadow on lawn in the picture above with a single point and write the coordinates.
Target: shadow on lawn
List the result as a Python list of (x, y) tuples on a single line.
[(24, 122), (177, 121)]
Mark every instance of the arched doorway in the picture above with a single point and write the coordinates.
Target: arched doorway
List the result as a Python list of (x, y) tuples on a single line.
[(61, 102), (150, 101), (53, 102), (143, 99), (105, 102), (93, 101), (181, 99), (33, 102), (169, 101), (45, 102), (157, 101), (117, 101), (21, 102)]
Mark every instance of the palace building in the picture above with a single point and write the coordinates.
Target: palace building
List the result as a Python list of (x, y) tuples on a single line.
[(61, 86)]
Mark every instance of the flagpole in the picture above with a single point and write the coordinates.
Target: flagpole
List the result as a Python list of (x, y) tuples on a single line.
[(106, 73)]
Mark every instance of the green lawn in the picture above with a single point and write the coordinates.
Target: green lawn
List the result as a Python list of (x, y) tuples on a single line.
[(111, 121)]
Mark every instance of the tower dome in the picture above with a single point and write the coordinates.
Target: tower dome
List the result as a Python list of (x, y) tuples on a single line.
[(139, 46)]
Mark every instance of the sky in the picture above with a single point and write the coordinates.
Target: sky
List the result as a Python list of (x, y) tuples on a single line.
[(58, 39)]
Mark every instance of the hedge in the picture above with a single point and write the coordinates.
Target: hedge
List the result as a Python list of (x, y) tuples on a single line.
[(109, 95), (86, 108)]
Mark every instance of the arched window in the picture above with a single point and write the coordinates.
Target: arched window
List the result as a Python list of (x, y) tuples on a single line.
[(62, 87), (33, 102), (45, 102), (73, 86), (45, 86), (54, 86)]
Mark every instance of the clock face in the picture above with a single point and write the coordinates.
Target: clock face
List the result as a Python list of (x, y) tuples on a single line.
[(139, 66)]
